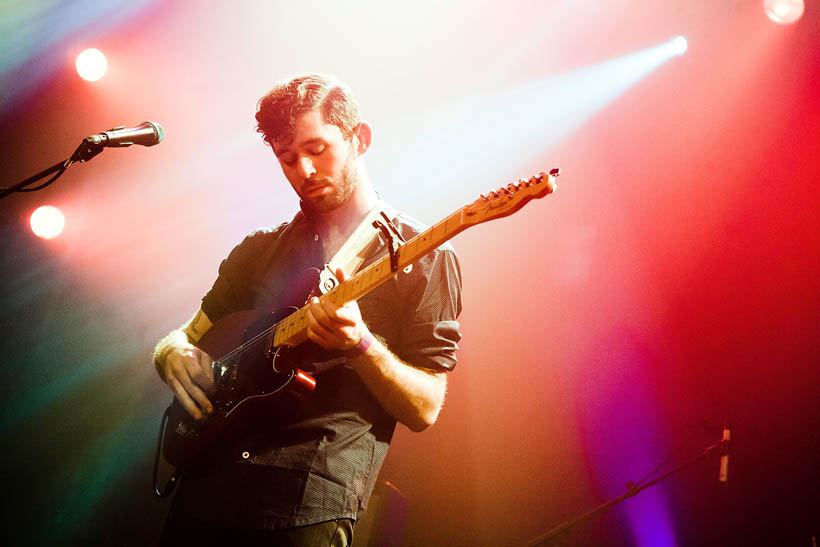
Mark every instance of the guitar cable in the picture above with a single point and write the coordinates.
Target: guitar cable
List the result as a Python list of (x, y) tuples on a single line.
[(172, 482)]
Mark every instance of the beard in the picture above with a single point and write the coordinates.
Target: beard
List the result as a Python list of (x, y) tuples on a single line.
[(342, 189)]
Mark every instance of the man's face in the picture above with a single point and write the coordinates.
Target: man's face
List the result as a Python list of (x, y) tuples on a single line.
[(319, 163)]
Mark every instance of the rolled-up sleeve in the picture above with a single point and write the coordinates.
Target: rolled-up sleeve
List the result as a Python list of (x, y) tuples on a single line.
[(232, 290), (430, 332)]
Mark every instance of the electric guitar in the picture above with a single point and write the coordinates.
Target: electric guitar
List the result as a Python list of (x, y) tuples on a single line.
[(253, 344)]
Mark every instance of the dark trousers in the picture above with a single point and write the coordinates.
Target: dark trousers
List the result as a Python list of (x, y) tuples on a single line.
[(181, 530)]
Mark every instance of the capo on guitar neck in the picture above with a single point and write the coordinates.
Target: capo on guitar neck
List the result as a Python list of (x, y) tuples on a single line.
[(392, 234)]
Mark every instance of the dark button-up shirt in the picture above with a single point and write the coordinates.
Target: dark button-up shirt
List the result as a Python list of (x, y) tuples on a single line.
[(319, 460)]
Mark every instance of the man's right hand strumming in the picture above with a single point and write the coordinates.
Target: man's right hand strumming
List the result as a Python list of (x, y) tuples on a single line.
[(187, 371), (185, 368)]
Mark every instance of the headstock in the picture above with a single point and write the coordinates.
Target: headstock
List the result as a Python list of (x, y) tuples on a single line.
[(510, 198)]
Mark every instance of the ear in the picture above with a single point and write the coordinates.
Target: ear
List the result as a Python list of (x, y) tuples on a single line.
[(362, 133)]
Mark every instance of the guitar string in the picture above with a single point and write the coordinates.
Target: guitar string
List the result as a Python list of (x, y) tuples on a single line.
[(253, 341)]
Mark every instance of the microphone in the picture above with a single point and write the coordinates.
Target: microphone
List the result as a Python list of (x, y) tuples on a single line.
[(723, 476), (145, 134)]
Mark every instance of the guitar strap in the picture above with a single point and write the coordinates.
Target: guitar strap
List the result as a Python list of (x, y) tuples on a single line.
[(354, 251)]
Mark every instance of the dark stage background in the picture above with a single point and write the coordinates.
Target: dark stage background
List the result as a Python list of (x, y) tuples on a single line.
[(670, 284)]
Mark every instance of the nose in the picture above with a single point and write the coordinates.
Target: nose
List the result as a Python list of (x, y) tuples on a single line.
[(305, 166)]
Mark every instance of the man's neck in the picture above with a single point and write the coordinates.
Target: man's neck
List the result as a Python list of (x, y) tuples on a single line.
[(336, 225)]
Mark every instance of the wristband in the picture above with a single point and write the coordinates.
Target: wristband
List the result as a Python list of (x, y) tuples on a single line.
[(360, 347), (159, 358)]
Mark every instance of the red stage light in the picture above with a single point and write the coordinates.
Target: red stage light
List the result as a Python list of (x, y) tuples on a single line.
[(47, 222), (784, 12), (91, 64)]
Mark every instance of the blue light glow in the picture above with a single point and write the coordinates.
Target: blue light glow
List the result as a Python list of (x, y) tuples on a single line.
[(475, 146)]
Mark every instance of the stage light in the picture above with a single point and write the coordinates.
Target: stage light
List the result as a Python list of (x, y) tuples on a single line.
[(678, 45), (91, 64), (784, 12), (47, 222), (551, 107)]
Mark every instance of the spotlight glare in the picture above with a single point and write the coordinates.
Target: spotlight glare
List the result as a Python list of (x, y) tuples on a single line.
[(47, 222), (679, 45), (784, 12), (91, 64)]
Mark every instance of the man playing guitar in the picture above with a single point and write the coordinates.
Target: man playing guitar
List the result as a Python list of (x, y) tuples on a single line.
[(302, 475)]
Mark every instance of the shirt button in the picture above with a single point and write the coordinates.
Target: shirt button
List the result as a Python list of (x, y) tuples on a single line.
[(315, 237), (246, 455)]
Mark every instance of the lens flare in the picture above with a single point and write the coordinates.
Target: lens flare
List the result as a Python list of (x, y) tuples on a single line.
[(784, 12), (91, 64), (47, 222)]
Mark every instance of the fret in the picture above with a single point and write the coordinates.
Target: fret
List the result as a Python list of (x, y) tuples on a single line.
[(374, 279), (356, 289), (411, 248), (346, 291), (289, 326), (335, 295), (437, 232), (452, 225)]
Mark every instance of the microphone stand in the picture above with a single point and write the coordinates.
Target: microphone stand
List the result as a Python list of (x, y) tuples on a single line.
[(551, 536), (83, 153)]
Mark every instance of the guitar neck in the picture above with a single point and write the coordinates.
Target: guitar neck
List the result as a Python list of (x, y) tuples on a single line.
[(292, 330)]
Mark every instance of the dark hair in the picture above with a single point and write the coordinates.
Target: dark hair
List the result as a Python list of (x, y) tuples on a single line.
[(278, 109)]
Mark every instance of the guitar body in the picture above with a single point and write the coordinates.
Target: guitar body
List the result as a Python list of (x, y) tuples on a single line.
[(248, 378)]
